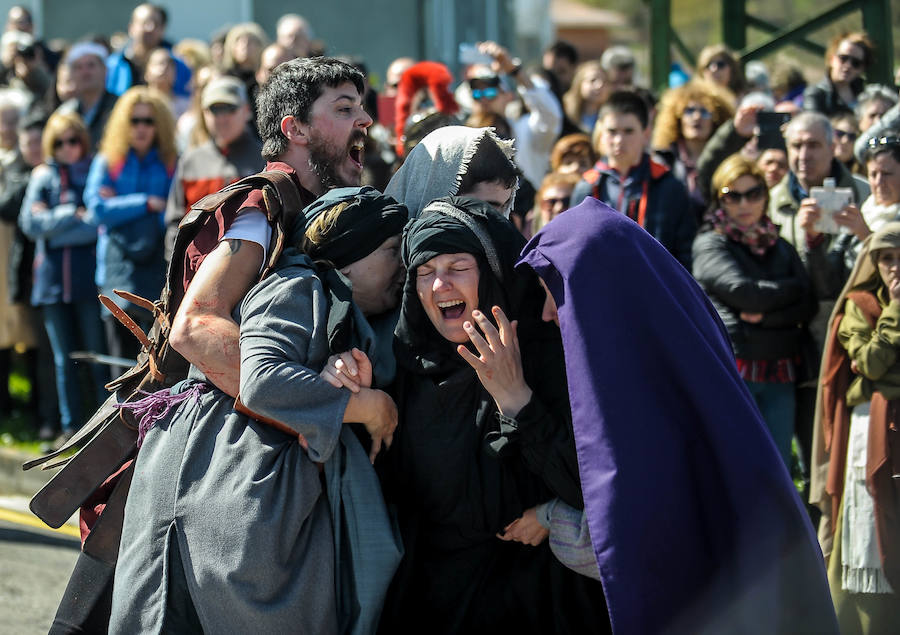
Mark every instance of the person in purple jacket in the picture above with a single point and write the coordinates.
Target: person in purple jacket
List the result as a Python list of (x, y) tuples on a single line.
[(126, 196)]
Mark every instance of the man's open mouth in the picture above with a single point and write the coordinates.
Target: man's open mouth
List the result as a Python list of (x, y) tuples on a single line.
[(452, 309), (356, 153)]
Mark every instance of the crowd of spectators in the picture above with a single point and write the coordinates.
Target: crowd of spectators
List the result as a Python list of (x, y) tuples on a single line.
[(103, 148)]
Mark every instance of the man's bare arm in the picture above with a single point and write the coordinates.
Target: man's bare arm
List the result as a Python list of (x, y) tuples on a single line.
[(203, 330)]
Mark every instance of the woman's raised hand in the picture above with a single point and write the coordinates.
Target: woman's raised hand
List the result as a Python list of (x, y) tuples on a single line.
[(351, 370), (499, 363)]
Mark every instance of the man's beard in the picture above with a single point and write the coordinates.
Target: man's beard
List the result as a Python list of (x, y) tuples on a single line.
[(323, 157)]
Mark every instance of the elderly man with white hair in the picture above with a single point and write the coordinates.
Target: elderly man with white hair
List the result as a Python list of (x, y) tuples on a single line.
[(87, 68)]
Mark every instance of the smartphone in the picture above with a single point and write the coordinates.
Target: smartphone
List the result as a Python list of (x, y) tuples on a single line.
[(769, 129), (469, 54)]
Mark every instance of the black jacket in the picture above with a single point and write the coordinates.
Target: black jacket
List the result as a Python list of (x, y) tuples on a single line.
[(823, 97), (775, 284)]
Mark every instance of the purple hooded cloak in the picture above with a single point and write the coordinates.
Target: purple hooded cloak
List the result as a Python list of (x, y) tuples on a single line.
[(694, 520)]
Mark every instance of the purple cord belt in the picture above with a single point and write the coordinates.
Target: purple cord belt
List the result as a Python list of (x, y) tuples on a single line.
[(156, 405)]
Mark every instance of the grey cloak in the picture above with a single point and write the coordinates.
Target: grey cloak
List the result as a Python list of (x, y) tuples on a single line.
[(243, 502)]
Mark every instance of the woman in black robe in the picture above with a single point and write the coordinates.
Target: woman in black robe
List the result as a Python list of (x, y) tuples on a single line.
[(465, 478)]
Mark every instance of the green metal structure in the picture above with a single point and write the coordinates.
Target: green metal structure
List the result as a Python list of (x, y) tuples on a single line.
[(876, 19)]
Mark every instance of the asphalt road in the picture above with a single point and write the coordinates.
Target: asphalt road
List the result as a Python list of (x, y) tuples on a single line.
[(35, 564)]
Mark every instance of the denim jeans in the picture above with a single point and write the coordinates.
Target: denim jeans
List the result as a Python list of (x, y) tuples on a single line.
[(71, 327), (777, 403)]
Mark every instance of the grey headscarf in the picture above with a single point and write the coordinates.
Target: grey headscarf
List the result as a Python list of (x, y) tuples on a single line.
[(435, 168)]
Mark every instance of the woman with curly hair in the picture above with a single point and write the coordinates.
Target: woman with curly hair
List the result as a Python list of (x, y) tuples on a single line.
[(719, 64), (126, 196), (588, 92), (688, 117), (846, 60)]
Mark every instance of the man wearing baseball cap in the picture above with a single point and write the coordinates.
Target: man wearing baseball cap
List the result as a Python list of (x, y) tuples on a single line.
[(223, 150)]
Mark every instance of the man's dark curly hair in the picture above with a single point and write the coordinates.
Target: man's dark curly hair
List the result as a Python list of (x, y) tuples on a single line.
[(291, 90)]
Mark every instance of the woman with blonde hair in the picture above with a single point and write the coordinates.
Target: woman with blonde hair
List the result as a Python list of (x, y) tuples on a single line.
[(54, 216), (126, 195), (760, 288), (242, 52), (688, 117), (588, 92), (719, 64)]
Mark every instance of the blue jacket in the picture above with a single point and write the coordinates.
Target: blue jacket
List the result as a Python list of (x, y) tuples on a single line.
[(130, 242), (64, 258), (120, 73)]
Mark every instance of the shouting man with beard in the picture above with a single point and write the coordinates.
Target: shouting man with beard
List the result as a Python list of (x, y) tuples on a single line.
[(313, 126)]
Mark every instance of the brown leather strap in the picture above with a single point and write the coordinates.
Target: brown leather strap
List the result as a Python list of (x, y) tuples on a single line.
[(126, 321), (144, 303)]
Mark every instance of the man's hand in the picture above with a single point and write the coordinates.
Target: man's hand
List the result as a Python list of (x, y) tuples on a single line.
[(851, 218), (351, 370), (807, 217), (745, 120), (499, 365), (752, 318), (527, 529)]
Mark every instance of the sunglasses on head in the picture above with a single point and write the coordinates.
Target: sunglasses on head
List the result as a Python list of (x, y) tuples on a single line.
[(878, 142), (733, 197), (845, 134), (490, 92), (222, 109), (690, 111), (68, 141), (855, 62), (147, 121), (553, 202)]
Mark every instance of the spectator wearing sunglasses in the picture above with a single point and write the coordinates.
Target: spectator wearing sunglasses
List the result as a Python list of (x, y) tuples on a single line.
[(553, 197), (537, 126), (719, 64), (126, 195), (54, 216), (760, 288), (231, 151), (846, 131), (846, 60), (883, 168), (688, 117)]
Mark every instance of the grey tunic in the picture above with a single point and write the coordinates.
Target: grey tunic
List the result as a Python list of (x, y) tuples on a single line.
[(243, 502)]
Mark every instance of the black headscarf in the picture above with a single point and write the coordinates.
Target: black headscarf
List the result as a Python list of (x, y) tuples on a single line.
[(463, 225), (369, 219)]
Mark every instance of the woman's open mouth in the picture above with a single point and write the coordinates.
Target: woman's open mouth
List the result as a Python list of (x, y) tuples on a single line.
[(452, 309)]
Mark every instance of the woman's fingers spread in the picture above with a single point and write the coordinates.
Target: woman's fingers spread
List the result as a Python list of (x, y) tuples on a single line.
[(490, 331), (466, 354), (479, 342)]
